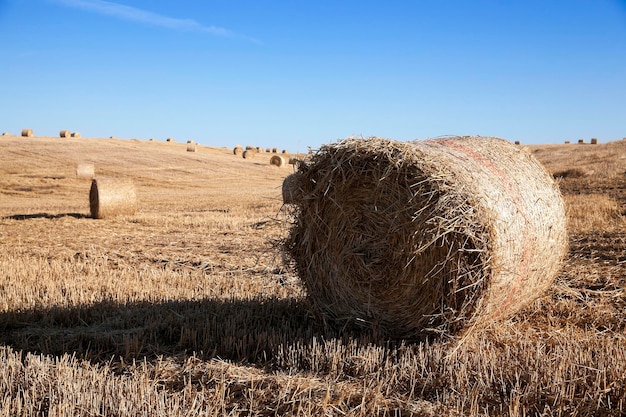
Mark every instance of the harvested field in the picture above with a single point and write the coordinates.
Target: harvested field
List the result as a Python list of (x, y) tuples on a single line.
[(186, 307)]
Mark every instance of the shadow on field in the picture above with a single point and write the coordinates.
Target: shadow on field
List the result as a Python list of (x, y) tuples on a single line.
[(46, 216), (252, 331)]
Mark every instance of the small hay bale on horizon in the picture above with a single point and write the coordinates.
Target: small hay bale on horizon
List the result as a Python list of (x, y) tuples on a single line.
[(27, 133), (169, 140), (581, 141), (426, 238), (111, 197), (249, 153), (85, 170), (191, 147), (594, 141), (259, 149), (75, 135), (285, 151), (268, 150), (277, 160), (237, 150), (64, 134), (274, 150)]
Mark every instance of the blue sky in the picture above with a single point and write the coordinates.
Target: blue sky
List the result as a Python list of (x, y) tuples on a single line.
[(293, 74)]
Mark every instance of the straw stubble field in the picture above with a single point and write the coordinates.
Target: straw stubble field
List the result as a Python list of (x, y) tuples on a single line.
[(187, 307)]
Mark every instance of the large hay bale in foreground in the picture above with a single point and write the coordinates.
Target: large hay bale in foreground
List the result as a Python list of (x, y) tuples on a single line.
[(110, 197), (27, 133), (428, 237)]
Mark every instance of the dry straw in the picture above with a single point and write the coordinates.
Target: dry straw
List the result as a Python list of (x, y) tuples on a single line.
[(85, 171), (237, 150), (429, 237), (110, 197), (277, 160), (249, 153), (27, 133), (64, 133)]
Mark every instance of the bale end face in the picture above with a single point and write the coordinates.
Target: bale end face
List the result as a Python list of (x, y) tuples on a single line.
[(431, 237)]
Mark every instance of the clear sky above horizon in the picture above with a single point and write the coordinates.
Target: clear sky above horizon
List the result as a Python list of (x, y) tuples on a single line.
[(293, 74)]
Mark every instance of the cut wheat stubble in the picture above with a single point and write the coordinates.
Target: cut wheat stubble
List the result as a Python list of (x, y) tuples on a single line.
[(432, 237)]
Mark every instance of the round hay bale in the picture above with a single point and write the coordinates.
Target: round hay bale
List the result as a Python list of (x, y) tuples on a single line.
[(277, 160), (268, 150), (285, 151), (27, 133), (291, 192), (6, 134), (274, 150), (581, 141), (75, 134), (64, 133), (259, 149), (85, 171), (432, 237), (567, 142), (294, 161), (250, 148), (594, 141), (238, 150), (169, 140), (190, 141), (517, 142), (191, 147), (110, 197), (249, 154)]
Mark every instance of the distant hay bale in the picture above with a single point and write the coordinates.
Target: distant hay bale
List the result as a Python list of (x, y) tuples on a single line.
[(581, 141), (250, 148), (191, 147), (85, 171), (294, 161), (285, 151), (567, 142), (64, 133), (112, 137), (259, 149), (429, 237), (277, 160), (6, 134), (238, 150), (274, 150), (75, 134), (190, 141), (110, 197), (169, 140), (291, 193), (249, 153), (517, 142), (594, 141), (269, 150), (27, 133)]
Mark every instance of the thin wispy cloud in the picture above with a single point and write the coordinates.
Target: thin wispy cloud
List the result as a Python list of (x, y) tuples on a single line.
[(134, 14)]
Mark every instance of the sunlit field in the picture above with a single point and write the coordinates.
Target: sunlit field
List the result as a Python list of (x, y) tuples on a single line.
[(188, 307)]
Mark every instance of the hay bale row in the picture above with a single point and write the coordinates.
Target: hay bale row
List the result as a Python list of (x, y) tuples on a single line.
[(421, 238), (110, 197), (27, 133)]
